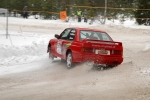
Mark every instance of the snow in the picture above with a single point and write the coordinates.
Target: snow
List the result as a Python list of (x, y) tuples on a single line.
[(21, 47), (25, 66), (2, 10), (147, 47), (25, 46)]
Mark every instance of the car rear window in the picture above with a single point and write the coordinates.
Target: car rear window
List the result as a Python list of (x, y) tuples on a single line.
[(94, 35)]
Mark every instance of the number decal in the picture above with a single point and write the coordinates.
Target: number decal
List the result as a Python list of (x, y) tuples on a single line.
[(59, 47)]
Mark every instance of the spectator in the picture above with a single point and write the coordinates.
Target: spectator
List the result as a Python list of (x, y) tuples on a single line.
[(85, 19), (85, 15), (79, 14), (25, 12)]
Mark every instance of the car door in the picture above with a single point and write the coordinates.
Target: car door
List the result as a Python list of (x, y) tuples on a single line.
[(67, 43), (63, 39)]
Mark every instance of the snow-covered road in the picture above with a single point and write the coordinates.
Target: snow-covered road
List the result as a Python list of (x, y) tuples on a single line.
[(27, 74)]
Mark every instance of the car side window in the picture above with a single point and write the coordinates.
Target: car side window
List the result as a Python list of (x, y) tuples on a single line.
[(64, 34)]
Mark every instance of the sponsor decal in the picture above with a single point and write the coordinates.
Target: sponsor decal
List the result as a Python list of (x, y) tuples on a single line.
[(103, 46), (68, 44)]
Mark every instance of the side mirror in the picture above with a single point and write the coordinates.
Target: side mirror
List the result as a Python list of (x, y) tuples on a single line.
[(56, 36)]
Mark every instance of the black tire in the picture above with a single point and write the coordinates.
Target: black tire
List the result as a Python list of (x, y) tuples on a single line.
[(51, 57), (98, 67), (69, 60)]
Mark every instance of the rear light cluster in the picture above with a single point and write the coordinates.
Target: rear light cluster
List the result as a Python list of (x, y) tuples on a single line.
[(90, 50), (117, 52), (119, 44)]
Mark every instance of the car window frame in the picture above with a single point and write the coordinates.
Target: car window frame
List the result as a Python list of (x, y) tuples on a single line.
[(70, 34), (64, 33)]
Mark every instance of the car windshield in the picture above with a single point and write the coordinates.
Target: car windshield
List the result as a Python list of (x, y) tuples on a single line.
[(94, 35)]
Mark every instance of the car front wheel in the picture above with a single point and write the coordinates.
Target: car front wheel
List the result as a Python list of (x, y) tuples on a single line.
[(69, 60)]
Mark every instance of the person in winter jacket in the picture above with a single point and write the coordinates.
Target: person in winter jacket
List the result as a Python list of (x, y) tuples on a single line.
[(79, 14), (25, 12)]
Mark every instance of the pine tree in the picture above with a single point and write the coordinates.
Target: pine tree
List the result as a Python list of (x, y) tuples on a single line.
[(143, 15), (58, 5), (2, 3), (35, 6), (49, 6)]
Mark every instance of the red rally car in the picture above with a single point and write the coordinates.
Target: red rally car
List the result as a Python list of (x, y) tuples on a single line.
[(83, 44)]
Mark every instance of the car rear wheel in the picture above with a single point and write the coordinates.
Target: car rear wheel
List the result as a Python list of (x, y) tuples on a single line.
[(69, 60), (51, 57)]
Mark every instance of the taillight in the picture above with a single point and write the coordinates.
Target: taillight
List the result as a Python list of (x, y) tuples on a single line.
[(90, 50), (121, 52), (117, 52), (119, 44)]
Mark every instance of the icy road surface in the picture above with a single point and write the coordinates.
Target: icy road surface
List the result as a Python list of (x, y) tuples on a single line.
[(27, 74)]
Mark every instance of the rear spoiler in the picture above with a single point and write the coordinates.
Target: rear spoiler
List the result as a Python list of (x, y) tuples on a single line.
[(101, 44)]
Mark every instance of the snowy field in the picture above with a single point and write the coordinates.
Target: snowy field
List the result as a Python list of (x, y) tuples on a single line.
[(27, 74)]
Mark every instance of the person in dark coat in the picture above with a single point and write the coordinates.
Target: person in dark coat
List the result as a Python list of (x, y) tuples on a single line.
[(25, 12)]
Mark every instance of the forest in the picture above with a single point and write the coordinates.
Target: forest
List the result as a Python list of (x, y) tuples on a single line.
[(139, 9)]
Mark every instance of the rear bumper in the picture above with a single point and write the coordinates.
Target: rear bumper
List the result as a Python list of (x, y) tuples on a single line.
[(104, 59)]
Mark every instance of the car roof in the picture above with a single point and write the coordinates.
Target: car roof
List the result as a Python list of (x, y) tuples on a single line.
[(89, 29)]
